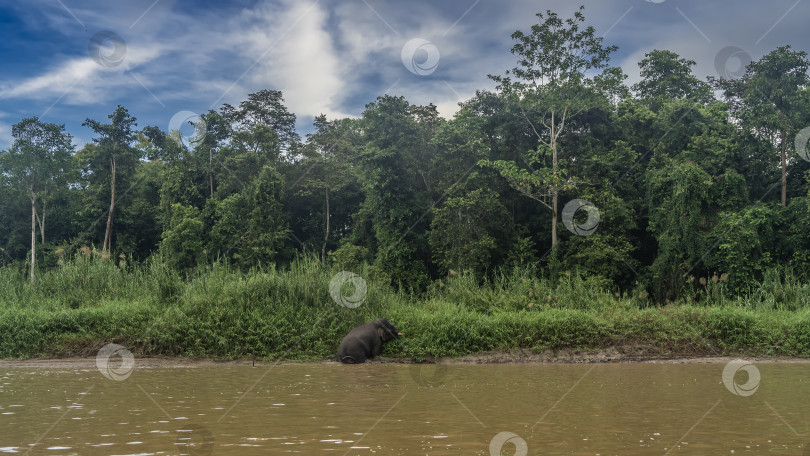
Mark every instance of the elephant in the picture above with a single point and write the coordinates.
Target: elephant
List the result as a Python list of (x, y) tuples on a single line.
[(365, 341)]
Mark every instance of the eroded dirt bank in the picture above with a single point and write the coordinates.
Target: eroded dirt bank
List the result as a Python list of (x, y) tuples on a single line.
[(625, 354)]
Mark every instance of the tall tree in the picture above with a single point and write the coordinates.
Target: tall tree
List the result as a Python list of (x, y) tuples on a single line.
[(36, 163), (397, 202), (218, 130), (769, 99), (264, 108), (665, 76), (679, 198), (550, 86), (115, 151), (259, 132), (327, 166)]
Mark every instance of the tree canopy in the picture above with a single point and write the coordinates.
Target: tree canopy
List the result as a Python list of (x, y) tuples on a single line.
[(681, 173)]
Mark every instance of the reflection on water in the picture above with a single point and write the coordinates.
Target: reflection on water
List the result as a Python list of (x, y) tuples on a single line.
[(393, 409)]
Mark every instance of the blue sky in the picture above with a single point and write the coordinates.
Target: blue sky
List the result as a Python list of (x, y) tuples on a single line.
[(329, 57)]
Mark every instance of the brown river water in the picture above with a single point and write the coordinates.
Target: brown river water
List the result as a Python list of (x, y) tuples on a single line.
[(399, 409)]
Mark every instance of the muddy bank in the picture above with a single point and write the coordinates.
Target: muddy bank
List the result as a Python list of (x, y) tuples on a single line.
[(625, 354)]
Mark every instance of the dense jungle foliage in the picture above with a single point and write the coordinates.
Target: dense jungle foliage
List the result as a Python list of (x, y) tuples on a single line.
[(661, 191)]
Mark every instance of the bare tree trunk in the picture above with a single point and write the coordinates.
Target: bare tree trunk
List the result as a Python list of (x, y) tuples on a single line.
[(108, 233), (211, 170), (784, 169), (325, 228), (41, 218), (555, 189), (457, 243), (33, 233), (554, 219), (431, 203)]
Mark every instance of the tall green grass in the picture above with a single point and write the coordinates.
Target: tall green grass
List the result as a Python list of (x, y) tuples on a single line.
[(271, 313)]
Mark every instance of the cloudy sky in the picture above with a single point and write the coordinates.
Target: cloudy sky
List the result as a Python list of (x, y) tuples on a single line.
[(67, 60)]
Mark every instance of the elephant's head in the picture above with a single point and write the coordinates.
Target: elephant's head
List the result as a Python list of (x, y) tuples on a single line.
[(386, 330)]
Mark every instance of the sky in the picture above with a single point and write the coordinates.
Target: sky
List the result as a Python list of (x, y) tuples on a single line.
[(68, 60)]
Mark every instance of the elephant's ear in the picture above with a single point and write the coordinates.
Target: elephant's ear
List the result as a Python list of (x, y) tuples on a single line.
[(380, 333)]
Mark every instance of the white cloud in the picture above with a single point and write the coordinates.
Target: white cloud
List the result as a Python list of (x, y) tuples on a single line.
[(82, 81), (299, 59), (332, 58), (373, 44), (319, 58), (59, 80)]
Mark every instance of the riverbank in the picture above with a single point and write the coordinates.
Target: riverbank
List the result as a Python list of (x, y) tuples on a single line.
[(449, 331), (616, 355), (299, 315)]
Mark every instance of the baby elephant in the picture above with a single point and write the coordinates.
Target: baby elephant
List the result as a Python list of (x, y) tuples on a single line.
[(365, 341)]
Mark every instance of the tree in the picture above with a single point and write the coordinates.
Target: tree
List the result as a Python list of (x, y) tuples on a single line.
[(328, 166), (138, 223), (183, 240), (666, 76), (396, 197), (218, 130), (457, 146), (742, 238), (550, 87), (264, 108), (798, 235), (267, 227), (259, 132), (769, 99), (113, 154), (464, 229), (37, 163), (679, 198), (250, 227)]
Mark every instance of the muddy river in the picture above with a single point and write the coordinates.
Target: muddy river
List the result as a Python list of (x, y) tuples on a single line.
[(712, 408)]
